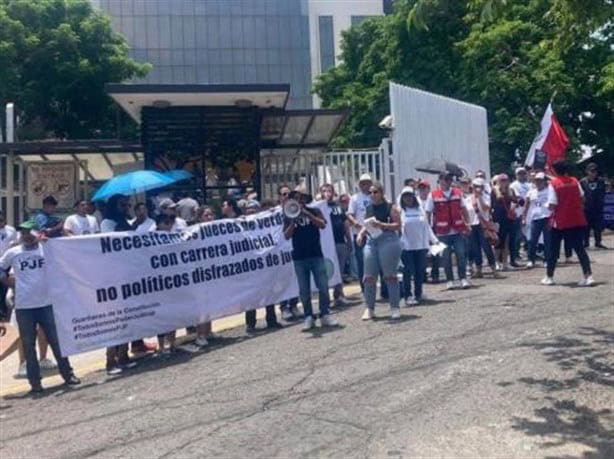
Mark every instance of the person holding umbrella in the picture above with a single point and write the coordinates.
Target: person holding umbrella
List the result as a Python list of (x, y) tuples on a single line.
[(450, 222)]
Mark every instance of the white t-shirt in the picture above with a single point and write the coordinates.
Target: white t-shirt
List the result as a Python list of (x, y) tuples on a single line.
[(416, 233), (538, 204), (473, 215), (358, 207), (8, 237), (30, 272), (149, 224), (179, 225), (522, 190), (107, 225), (554, 200), (79, 225)]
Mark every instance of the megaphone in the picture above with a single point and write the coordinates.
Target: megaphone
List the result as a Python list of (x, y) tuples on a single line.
[(292, 209)]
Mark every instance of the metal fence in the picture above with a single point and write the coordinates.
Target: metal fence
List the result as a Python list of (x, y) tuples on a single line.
[(312, 169)]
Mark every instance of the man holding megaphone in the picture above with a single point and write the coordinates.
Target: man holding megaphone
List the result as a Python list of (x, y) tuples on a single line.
[(303, 225)]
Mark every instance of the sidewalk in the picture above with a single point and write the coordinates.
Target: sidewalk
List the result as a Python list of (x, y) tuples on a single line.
[(90, 362)]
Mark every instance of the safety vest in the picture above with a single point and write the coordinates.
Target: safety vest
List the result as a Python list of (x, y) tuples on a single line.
[(447, 215), (569, 211)]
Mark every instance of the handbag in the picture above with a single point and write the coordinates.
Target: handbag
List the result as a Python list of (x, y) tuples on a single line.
[(490, 230)]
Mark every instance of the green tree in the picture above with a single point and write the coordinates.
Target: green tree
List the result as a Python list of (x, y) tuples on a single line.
[(55, 57), (510, 56)]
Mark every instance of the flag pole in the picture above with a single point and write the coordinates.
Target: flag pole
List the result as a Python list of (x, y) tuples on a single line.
[(553, 96)]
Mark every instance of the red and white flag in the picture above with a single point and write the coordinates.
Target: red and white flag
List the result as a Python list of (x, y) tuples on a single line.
[(551, 140)]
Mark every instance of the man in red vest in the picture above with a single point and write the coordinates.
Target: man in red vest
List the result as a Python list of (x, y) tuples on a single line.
[(447, 206), (565, 199)]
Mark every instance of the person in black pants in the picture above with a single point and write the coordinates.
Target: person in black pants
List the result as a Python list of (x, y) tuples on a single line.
[(594, 197), (568, 222)]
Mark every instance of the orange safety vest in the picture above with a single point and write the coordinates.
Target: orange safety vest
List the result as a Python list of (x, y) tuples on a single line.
[(447, 215), (569, 211)]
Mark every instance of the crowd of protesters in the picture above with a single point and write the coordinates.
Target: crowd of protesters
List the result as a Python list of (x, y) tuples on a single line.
[(459, 223)]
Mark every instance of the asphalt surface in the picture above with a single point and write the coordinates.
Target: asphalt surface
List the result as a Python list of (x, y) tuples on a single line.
[(506, 369)]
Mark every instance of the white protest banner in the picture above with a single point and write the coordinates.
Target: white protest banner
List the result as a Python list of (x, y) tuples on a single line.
[(108, 289)]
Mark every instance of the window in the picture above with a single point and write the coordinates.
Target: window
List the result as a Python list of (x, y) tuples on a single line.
[(327, 43)]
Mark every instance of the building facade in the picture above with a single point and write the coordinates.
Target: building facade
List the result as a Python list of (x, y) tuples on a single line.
[(238, 41)]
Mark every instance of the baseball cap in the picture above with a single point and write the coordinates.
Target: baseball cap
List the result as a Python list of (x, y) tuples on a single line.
[(407, 190), (520, 169), (29, 226), (424, 184), (167, 203), (540, 176), (252, 203), (479, 182), (365, 178)]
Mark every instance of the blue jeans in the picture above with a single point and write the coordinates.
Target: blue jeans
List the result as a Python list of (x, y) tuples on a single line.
[(27, 320), (414, 264), (382, 255), (304, 269), (538, 227), (454, 242)]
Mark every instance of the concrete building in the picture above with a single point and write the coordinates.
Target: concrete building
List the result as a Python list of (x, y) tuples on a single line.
[(238, 41)]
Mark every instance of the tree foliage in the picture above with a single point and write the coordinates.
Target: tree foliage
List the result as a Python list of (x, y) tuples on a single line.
[(510, 56), (55, 57)]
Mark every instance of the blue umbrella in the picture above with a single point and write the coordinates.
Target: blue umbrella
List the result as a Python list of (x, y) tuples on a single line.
[(178, 175), (133, 183)]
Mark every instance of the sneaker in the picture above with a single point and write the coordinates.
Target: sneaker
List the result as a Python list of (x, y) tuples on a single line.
[(411, 301), (499, 267), (308, 324), (274, 326), (295, 312), (341, 302), (328, 321), (530, 265), (587, 281), (478, 273), (450, 285), (250, 329), (547, 281), (47, 364), (395, 313), (201, 341), (601, 246), (72, 381), (22, 372), (129, 365), (464, 283), (114, 371), (287, 315), (36, 390), (369, 314), (514, 264)]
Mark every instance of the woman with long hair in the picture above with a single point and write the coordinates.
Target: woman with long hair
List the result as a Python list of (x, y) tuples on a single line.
[(482, 231), (504, 204), (116, 216), (382, 250)]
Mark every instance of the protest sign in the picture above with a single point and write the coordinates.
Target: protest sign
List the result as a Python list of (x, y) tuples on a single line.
[(113, 288)]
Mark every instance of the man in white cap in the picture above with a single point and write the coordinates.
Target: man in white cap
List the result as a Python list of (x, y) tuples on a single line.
[(169, 207), (521, 187), (356, 217)]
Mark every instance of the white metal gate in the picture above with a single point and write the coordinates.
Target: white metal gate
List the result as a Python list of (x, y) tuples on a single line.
[(313, 169)]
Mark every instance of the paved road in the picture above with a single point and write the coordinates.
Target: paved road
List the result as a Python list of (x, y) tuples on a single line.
[(506, 369)]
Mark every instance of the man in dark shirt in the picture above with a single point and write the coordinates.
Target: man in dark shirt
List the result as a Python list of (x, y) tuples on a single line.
[(309, 259), (342, 236), (49, 224), (594, 196)]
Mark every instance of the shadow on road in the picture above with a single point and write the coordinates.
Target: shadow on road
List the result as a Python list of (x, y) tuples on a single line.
[(586, 358)]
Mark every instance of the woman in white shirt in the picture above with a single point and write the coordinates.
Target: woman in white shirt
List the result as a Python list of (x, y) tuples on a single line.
[(537, 216), (478, 210), (416, 237)]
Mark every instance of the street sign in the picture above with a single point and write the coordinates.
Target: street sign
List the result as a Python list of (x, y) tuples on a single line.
[(57, 179)]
